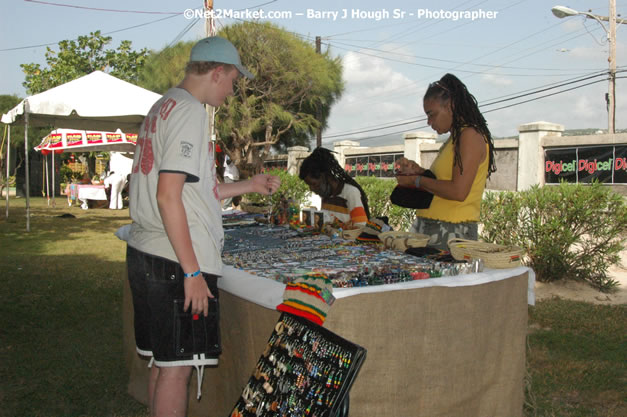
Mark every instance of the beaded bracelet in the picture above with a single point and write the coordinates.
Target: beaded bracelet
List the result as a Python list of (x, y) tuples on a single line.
[(192, 275)]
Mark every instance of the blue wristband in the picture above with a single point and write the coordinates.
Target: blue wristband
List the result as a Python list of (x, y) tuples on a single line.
[(417, 181), (192, 275)]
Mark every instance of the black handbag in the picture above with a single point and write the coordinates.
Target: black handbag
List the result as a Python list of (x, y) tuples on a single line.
[(410, 197)]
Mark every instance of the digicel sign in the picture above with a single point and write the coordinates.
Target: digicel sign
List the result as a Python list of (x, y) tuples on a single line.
[(604, 163), (584, 165), (559, 167), (620, 164)]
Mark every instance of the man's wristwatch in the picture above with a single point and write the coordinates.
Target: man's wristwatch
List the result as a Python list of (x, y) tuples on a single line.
[(417, 181)]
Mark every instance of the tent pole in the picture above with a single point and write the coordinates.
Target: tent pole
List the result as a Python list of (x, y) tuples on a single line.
[(26, 109), (54, 203), (45, 178), (8, 171)]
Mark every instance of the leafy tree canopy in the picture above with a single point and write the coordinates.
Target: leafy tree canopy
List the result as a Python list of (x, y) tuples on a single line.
[(7, 102), (76, 58), (166, 68), (293, 88)]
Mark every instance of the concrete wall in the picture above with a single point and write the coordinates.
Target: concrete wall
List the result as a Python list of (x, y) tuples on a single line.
[(519, 161)]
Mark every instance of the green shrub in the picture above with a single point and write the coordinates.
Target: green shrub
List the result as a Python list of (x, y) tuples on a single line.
[(569, 231), (66, 173), (291, 187), (378, 191)]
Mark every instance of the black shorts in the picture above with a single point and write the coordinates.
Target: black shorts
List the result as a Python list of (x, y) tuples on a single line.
[(162, 329)]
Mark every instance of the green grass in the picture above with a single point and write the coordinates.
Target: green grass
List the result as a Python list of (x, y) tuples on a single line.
[(60, 313), (577, 357), (61, 327)]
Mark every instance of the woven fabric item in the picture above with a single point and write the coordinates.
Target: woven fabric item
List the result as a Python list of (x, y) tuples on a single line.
[(403, 240), (372, 230), (308, 296), (493, 255)]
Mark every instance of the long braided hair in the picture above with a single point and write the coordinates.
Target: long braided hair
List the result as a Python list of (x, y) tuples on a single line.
[(465, 113), (322, 162)]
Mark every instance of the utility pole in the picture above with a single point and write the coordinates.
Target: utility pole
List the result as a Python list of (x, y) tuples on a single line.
[(611, 94), (319, 115), (610, 97), (210, 30)]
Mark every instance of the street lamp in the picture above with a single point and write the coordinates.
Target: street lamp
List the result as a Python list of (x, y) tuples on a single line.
[(563, 11)]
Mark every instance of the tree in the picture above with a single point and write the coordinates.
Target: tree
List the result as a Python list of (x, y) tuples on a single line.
[(166, 68), (7, 102), (278, 108), (80, 57), (83, 56)]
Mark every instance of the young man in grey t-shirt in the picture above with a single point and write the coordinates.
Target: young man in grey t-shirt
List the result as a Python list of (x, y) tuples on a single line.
[(176, 238)]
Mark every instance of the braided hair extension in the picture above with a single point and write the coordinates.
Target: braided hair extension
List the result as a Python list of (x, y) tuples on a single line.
[(320, 162), (465, 113)]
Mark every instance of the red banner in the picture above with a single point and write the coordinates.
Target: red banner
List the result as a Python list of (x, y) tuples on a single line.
[(94, 138), (73, 139), (114, 137)]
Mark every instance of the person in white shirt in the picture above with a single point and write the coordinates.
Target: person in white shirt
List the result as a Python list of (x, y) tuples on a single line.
[(231, 174), (116, 181)]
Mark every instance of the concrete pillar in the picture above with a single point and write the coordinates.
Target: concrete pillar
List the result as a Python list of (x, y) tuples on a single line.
[(294, 155), (340, 148), (531, 152), (413, 140)]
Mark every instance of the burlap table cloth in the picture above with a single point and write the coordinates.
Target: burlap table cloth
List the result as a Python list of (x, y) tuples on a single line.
[(435, 351)]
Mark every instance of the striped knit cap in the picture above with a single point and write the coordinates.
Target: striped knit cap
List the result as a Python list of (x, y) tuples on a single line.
[(309, 296)]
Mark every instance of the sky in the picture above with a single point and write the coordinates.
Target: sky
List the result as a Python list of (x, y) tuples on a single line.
[(505, 51)]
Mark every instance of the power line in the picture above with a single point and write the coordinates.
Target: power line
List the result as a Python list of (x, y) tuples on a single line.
[(422, 119), (412, 91), (544, 96), (107, 33), (488, 102), (449, 60), (73, 6)]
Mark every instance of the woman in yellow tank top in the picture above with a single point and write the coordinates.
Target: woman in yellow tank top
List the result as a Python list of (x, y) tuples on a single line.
[(462, 166)]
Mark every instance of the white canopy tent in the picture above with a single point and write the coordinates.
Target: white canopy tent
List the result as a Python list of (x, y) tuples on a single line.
[(96, 101)]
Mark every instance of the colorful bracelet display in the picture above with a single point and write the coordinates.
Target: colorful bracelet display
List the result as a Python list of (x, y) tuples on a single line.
[(281, 254)]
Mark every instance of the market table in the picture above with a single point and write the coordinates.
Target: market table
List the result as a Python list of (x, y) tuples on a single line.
[(450, 346), (86, 192)]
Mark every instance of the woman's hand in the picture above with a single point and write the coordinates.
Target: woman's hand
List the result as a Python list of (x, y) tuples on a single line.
[(406, 180), (265, 184), (407, 167)]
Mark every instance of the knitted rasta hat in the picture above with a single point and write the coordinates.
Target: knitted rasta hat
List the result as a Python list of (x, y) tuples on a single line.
[(309, 296)]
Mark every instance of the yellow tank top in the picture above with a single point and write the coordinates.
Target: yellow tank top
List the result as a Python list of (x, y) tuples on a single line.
[(450, 210)]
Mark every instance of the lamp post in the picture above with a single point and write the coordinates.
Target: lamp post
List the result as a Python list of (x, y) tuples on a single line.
[(562, 11)]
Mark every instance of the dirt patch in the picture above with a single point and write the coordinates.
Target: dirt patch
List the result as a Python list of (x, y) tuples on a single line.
[(579, 291)]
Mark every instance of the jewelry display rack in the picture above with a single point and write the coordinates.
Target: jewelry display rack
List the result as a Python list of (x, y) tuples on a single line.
[(305, 371)]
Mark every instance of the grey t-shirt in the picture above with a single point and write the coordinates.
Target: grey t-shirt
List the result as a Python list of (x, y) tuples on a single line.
[(174, 138)]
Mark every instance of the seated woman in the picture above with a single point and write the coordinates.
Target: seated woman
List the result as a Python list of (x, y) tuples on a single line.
[(462, 166), (342, 197)]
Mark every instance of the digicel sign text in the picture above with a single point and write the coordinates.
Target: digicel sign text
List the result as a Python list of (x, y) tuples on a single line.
[(584, 165), (559, 167), (620, 163), (592, 166)]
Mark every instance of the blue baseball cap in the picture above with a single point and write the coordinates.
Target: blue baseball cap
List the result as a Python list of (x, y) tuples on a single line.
[(217, 49)]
